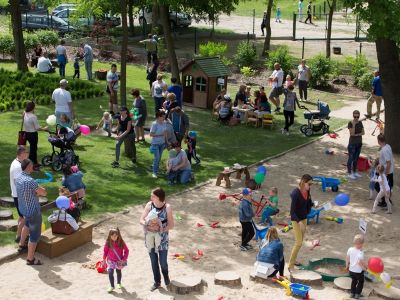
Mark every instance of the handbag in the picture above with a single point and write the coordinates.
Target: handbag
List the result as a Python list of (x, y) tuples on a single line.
[(120, 263), (62, 226), (22, 134)]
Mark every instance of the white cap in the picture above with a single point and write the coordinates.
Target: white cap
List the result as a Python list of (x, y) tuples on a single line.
[(63, 82)]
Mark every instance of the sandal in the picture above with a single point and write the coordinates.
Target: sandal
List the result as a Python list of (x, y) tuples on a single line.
[(34, 262), (22, 249)]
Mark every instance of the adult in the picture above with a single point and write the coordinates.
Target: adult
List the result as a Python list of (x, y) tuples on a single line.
[(356, 130), (88, 59), (159, 257), (15, 171), (112, 89), (376, 96), (44, 64), (28, 191), (73, 181), (61, 57), (140, 115), (150, 44), (271, 252), (170, 133), (300, 10), (176, 89), (289, 107), (264, 22), (37, 52), (309, 13), (224, 108), (152, 73), (63, 101), (180, 122), (276, 79), (158, 88), (183, 168), (158, 135), (240, 96), (170, 103), (125, 131), (303, 77), (299, 209), (386, 159)]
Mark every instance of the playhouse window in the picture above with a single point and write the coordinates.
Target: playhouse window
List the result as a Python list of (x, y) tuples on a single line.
[(201, 84), (188, 82), (220, 84)]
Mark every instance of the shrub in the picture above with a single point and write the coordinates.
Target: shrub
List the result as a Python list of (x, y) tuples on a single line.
[(245, 54), (280, 55), (322, 69), (47, 38), (7, 45), (31, 40), (359, 66), (247, 71), (212, 49), (364, 82)]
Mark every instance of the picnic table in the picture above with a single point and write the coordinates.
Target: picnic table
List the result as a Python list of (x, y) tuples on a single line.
[(245, 111), (226, 173)]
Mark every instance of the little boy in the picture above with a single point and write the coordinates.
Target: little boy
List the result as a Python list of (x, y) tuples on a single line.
[(246, 215), (77, 73), (153, 239), (356, 265), (191, 150), (272, 206), (171, 163)]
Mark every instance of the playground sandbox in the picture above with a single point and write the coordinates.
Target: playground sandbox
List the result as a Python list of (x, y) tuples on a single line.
[(328, 268)]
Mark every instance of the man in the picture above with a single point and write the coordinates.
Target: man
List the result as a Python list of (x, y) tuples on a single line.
[(300, 9), (150, 45), (240, 95), (264, 22), (63, 101), (15, 171), (303, 76), (309, 13), (180, 122), (88, 59), (277, 80), (177, 90), (28, 191), (44, 64), (386, 160), (376, 96), (112, 89)]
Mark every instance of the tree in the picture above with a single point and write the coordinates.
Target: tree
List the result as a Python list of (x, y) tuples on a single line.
[(384, 28), (331, 6), (130, 17), (124, 50), (20, 53), (267, 41)]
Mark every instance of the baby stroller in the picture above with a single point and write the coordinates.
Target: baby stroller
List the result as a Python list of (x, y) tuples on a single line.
[(62, 139), (321, 115)]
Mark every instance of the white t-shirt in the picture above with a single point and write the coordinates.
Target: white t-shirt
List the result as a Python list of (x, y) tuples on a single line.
[(303, 72), (386, 155), (356, 255), (383, 183), (279, 75), (158, 88), (44, 64), (30, 122), (62, 97), (113, 79), (15, 171)]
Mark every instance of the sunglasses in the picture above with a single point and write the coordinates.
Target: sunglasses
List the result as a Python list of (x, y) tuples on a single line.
[(356, 117)]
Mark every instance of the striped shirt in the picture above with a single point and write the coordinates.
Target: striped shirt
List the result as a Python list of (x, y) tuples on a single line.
[(28, 201)]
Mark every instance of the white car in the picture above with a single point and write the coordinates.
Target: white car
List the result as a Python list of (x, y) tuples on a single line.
[(62, 7), (177, 19), (67, 16)]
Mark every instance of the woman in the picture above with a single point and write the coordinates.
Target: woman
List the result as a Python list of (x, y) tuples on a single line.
[(225, 109), (271, 252), (31, 127), (299, 209), (158, 135), (356, 130), (183, 167), (165, 217), (37, 52), (124, 131), (140, 114), (62, 57), (73, 181)]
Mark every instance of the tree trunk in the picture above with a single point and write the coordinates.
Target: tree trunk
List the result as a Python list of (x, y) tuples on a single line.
[(124, 50), (389, 68), (130, 16), (16, 21), (164, 14), (331, 6), (155, 17), (267, 41)]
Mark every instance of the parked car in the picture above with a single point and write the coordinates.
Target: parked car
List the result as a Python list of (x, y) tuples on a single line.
[(33, 22), (67, 14), (63, 6), (177, 19)]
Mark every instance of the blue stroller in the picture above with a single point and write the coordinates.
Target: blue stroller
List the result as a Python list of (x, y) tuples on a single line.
[(321, 115)]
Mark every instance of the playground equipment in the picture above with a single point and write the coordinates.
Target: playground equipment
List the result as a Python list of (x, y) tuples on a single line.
[(323, 265), (326, 182), (260, 233), (337, 220), (295, 289)]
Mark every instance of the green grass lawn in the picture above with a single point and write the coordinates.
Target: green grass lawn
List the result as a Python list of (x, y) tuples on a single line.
[(108, 189)]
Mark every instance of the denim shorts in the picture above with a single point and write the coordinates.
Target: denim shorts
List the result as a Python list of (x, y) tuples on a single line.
[(34, 223), (17, 206)]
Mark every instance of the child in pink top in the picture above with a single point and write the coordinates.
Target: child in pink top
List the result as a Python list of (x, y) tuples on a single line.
[(115, 254)]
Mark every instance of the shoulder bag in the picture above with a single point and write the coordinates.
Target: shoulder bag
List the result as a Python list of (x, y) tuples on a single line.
[(120, 263), (22, 133)]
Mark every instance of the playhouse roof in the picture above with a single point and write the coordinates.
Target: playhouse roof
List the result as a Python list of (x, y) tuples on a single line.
[(211, 66)]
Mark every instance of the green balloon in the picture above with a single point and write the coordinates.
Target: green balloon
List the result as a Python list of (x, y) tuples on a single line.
[(259, 178)]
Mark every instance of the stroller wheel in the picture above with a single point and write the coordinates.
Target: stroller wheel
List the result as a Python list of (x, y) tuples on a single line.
[(303, 128), (308, 131), (57, 166), (46, 160), (325, 129)]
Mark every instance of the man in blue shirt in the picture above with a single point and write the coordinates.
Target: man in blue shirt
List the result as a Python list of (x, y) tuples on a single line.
[(177, 90), (376, 96)]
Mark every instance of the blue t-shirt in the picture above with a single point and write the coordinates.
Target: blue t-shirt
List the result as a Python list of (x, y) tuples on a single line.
[(177, 90), (376, 85), (158, 129)]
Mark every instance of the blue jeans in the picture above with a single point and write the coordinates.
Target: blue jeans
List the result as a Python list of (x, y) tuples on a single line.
[(266, 215), (158, 103), (159, 260), (34, 224), (354, 153), (62, 69), (184, 176), (131, 138), (88, 67), (157, 149)]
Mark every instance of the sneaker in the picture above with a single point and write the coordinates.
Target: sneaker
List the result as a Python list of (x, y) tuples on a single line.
[(110, 289), (115, 164), (389, 212), (119, 286), (287, 132), (283, 130), (351, 176), (248, 247), (357, 175), (154, 287), (154, 175), (356, 296), (167, 281), (243, 248), (352, 295)]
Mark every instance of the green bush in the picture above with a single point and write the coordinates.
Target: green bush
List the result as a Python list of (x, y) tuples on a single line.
[(47, 38), (322, 69), (7, 45), (365, 80), (246, 54), (280, 55), (359, 66), (31, 40), (247, 71), (212, 49)]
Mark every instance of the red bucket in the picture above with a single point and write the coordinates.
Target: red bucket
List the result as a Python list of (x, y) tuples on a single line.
[(363, 164), (101, 266)]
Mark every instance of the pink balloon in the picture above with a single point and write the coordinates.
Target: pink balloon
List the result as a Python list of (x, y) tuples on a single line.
[(85, 130)]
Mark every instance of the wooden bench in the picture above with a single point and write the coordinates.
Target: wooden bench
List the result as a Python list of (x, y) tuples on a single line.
[(226, 174), (53, 245)]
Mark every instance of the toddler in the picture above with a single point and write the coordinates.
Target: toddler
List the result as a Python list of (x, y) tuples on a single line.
[(372, 174), (77, 66), (191, 144), (289, 81), (278, 15), (153, 239), (272, 206), (64, 121), (246, 215), (115, 254), (107, 123), (172, 162), (384, 189), (356, 265)]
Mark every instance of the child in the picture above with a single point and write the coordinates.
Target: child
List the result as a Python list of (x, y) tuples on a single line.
[(289, 106), (272, 207), (107, 122), (356, 266), (289, 81), (115, 254), (278, 15), (191, 150), (384, 189), (64, 121), (153, 239), (171, 163), (264, 104), (77, 73), (246, 215), (372, 173)]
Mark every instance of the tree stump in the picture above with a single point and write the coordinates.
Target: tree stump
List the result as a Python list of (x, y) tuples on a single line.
[(6, 214), (7, 202), (227, 278), (306, 277), (186, 285), (257, 279), (342, 283), (385, 293), (8, 225), (129, 145)]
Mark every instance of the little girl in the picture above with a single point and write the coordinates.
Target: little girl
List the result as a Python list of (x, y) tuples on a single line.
[(272, 206), (115, 254), (384, 189), (107, 122), (289, 81), (372, 173)]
